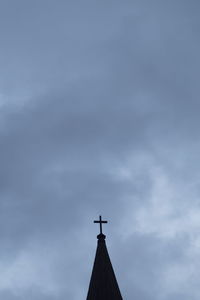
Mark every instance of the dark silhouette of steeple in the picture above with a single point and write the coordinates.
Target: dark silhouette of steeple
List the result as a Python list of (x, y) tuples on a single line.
[(103, 283)]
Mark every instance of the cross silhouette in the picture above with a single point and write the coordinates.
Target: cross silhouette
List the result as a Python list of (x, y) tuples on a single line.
[(100, 223)]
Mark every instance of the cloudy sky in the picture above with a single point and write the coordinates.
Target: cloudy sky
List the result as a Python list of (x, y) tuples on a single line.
[(99, 114)]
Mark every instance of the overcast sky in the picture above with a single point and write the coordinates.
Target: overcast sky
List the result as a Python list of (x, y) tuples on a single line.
[(99, 114)]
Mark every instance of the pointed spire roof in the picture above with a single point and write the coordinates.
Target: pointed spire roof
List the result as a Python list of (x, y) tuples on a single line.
[(103, 283)]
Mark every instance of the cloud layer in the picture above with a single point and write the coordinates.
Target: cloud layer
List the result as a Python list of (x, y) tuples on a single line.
[(99, 107)]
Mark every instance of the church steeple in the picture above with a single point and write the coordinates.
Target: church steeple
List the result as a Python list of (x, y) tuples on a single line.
[(103, 283)]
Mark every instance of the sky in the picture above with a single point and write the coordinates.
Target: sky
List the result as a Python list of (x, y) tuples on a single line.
[(99, 114)]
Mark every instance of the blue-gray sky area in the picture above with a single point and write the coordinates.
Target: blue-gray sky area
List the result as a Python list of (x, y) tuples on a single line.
[(99, 114)]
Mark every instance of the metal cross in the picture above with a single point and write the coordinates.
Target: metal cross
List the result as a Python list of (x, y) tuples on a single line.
[(100, 223)]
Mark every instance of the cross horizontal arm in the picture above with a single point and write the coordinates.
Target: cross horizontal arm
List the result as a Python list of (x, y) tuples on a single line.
[(100, 221)]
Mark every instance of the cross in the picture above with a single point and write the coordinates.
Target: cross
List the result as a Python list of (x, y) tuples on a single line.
[(100, 223)]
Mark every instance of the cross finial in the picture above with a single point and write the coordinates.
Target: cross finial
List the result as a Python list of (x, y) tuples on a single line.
[(100, 223)]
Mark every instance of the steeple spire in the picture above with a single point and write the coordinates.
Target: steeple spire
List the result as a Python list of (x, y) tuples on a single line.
[(103, 283)]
